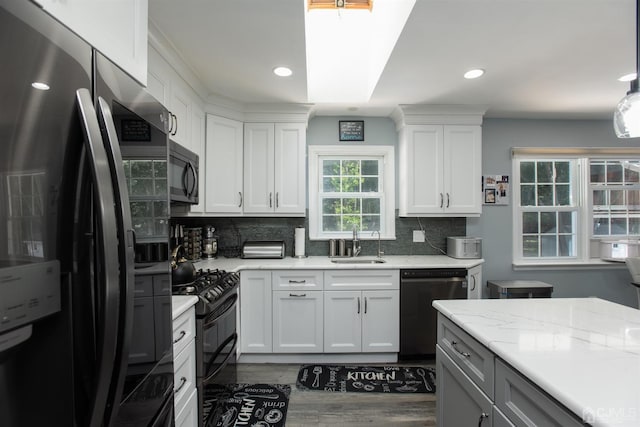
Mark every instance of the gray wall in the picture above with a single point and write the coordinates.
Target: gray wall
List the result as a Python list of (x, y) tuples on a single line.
[(495, 224)]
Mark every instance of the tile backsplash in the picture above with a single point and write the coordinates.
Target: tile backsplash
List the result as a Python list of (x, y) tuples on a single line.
[(232, 232)]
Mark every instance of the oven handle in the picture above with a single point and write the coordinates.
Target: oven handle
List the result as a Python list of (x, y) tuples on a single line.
[(234, 338), (208, 321)]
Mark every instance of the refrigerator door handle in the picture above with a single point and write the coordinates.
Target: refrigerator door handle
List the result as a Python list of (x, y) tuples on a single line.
[(126, 249), (107, 262)]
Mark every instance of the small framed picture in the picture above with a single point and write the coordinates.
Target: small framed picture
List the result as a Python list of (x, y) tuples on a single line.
[(351, 130), (490, 195)]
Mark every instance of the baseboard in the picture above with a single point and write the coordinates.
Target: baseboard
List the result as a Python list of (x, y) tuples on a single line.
[(359, 358)]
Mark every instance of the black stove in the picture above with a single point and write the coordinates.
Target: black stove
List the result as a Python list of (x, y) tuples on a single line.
[(211, 287)]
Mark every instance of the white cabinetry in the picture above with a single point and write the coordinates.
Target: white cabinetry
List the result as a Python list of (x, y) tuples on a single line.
[(440, 170), (274, 168), (362, 311), (223, 176), (255, 312), (118, 29), (184, 368)]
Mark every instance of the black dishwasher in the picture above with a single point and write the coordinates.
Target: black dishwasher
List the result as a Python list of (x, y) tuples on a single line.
[(418, 319)]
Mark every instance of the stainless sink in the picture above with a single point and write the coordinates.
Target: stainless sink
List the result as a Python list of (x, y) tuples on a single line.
[(358, 260)]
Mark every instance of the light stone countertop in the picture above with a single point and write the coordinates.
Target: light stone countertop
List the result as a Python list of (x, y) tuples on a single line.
[(584, 352), (324, 263), (181, 303)]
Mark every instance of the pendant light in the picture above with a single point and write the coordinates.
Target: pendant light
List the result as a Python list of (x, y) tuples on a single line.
[(626, 118)]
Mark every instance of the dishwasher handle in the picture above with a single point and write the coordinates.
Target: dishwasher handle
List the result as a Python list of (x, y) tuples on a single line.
[(452, 280)]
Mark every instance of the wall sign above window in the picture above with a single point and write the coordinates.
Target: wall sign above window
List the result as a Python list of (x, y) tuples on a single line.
[(351, 130)]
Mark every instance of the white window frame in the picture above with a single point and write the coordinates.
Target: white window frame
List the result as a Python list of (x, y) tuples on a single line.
[(587, 245), (387, 208)]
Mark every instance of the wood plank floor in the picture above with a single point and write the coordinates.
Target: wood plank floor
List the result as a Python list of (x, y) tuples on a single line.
[(316, 408)]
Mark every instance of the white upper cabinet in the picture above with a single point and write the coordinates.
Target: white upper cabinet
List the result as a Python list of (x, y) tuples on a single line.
[(274, 168), (197, 145), (118, 29), (223, 176), (440, 170)]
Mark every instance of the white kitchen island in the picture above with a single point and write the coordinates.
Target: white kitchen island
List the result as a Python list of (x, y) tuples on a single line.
[(582, 356)]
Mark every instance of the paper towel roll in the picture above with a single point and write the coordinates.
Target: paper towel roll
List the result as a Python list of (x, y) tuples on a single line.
[(299, 242)]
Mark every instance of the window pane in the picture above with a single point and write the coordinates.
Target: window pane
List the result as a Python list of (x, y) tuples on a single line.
[(617, 198), (370, 222), (370, 185), (161, 227), (160, 168), (614, 172), (634, 225), (527, 172), (563, 172), (350, 221), (160, 187), (351, 167), (331, 206), (331, 167), (631, 174), (331, 185), (545, 195), (330, 223), (350, 185), (160, 209), (530, 246), (142, 168), (599, 198), (597, 172), (601, 226), (142, 187), (633, 200), (545, 171), (527, 195), (563, 195), (548, 246), (371, 206), (141, 209), (547, 222), (530, 222), (565, 222), (370, 167), (619, 226), (566, 246), (350, 206)]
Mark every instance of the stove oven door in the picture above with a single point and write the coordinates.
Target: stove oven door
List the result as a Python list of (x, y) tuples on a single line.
[(219, 342)]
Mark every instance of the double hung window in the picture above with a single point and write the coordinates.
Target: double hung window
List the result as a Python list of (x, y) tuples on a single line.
[(567, 200)]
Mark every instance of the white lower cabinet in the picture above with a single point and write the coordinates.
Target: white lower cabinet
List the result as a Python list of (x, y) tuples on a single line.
[(184, 370), (255, 312), (361, 311), (475, 387), (297, 321), (315, 311)]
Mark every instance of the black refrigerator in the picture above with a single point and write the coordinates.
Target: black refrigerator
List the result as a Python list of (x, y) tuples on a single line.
[(82, 175)]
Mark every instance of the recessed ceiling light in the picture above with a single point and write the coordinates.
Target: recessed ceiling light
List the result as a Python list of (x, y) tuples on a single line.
[(627, 77), (474, 74), (40, 86), (282, 71)]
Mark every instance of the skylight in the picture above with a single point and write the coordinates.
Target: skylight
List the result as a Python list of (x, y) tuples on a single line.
[(348, 48)]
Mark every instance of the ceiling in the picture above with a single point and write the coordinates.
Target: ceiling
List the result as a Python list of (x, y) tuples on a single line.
[(543, 58)]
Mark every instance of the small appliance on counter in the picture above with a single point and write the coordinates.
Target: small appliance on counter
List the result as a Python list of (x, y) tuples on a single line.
[(209, 242), (192, 243), (464, 247), (619, 250), (263, 249)]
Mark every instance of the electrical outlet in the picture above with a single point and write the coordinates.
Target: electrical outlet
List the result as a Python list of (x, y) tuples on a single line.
[(418, 236)]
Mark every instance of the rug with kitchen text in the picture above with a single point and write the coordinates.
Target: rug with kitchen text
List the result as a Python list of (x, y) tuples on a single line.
[(371, 379), (228, 405)]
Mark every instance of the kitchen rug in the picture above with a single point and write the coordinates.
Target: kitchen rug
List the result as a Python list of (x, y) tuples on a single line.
[(226, 405), (372, 379)]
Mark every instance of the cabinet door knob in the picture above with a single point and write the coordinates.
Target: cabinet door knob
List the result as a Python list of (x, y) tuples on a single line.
[(482, 417), (464, 353), (182, 334)]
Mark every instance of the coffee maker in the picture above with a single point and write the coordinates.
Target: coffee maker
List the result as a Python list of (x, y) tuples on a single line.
[(209, 242)]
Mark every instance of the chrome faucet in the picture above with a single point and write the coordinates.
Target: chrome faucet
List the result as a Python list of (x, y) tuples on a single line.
[(356, 243), (380, 253)]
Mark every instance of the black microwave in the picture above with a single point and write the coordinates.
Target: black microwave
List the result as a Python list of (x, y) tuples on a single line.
[(183, 174)]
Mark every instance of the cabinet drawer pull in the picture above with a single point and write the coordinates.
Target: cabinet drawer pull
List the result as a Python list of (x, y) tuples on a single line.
[(365, 305), (183, 381), (482, 417), (297, 281), (464, 353), (358, 305), (441, 200), (298, 295), (182, 334), (447, 199), (277, 201), (240, 194), (270, 200)]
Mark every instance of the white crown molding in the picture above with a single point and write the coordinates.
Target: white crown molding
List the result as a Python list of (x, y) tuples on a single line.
[(423, 114)]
